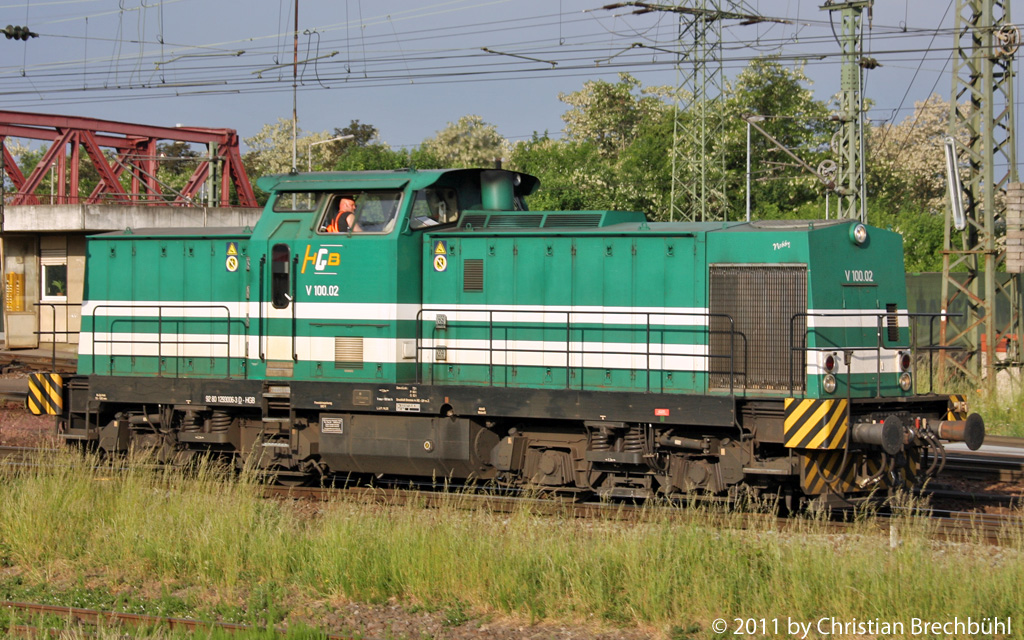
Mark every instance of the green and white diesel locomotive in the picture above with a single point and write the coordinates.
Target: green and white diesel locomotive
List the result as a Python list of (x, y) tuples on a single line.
[(440, 329)]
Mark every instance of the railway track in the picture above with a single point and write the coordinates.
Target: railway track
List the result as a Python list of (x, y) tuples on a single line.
[(36, 360), (941, 524), (956, 522), (1001, 459), (108, 619)]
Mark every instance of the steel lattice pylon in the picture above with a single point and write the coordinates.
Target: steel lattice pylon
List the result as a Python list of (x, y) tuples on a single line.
[(983, 128), (848, 142), (698, 158), (698, 155)]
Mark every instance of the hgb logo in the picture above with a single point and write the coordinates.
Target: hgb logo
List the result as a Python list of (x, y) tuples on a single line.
[(322, 259)]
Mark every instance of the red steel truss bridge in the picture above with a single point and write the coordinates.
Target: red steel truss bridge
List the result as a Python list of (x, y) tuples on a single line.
[(127, 159)]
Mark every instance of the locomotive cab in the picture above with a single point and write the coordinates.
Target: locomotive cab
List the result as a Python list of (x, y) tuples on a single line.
[(339, 265)]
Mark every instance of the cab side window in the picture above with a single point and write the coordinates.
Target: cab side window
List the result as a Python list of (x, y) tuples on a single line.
[(434, 207)]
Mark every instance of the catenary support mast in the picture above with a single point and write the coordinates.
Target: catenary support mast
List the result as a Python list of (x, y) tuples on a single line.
[(981, 123)]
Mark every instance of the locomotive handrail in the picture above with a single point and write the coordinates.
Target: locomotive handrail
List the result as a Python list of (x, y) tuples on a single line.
[(932, 346), (294, 304), (569, 351), (263, 263), (879, 316), (159, 341), (53, 323)]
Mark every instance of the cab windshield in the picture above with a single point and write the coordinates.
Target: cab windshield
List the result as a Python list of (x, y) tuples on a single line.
[(361, 212)]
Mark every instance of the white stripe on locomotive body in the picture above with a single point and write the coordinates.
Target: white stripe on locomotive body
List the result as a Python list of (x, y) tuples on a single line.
[(213, 346), (574, 314), (855, 319), (817, 318), (169, 345), (380, 312), (596, 355), (866, 362), (555, 314), (523, 353), (677, 357)]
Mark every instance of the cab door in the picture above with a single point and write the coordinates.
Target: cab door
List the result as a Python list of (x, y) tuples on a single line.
[(278, 321)]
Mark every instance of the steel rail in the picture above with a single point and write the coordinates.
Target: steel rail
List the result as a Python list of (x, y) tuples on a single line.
[(96, 616)]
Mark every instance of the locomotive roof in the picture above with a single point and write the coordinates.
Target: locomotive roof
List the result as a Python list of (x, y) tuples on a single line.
[(419, 178), (182, 232), (755, 225)]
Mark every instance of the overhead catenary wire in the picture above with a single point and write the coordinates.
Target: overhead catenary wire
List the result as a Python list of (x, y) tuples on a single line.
[(411, 36), (397, 48), (436, 54)]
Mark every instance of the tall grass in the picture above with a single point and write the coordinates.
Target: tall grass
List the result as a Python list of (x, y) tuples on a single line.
[(1002, 409), (1000, 404), (216, 543)]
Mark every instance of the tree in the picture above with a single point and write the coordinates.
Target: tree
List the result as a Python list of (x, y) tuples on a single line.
[(362, 134), (270, 150), (332, 154), (615, 154), (782, 95), (178, 161), (573, 174), (470, 142), (28, 159), (908, 163), (907, 181), (612, 116), (374, 157)]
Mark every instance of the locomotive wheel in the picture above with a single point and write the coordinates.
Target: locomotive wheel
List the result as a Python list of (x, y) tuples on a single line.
[(291, 478)]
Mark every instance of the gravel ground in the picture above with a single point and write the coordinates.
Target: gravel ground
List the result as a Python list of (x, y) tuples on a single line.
[(393, 621), (18, 428)]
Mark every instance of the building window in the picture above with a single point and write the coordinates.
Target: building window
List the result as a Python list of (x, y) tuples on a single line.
[(55, 282)]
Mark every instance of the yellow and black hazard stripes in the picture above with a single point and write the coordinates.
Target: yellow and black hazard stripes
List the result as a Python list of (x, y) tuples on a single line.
[(905, 470), (826, 471), (957, 408), (816, 424), (44, 394), (855, 472)]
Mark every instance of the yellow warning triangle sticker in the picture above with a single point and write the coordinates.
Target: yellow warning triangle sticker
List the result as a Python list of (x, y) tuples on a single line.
[(439, 249), (232, 249)]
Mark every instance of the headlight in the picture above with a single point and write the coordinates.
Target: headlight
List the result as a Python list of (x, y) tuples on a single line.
[(829, 383), (859, 234), (905, 381)]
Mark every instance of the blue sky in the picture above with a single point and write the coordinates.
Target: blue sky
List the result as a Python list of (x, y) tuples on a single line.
[(409, 68)]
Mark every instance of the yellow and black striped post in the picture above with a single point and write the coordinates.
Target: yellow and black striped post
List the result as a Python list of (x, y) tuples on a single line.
[(45, 394)]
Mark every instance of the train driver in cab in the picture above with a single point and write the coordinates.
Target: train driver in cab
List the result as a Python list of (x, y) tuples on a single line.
[(345, 220)]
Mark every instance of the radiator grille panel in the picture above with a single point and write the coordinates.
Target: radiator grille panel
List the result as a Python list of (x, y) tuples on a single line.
[(573, 220), (761, 300), (515, 221), (473, 275), (348, 353), (477, 221)]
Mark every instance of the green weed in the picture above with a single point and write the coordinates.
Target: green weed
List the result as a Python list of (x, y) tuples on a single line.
[(199, 545)]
